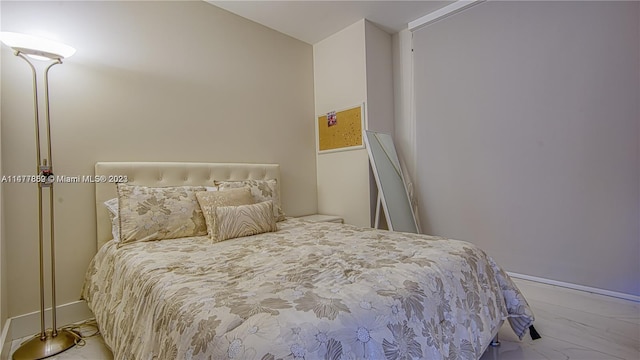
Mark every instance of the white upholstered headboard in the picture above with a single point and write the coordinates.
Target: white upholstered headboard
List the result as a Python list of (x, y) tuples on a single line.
[(169, 174)]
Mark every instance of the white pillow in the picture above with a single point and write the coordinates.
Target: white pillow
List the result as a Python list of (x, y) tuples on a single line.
[(112, 207)]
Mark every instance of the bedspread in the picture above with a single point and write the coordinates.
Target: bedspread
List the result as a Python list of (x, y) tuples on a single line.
[(309, 290)]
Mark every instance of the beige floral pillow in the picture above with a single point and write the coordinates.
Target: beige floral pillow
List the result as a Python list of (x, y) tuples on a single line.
[(244, 220), (148, 213), (262, 190), (210, 200)]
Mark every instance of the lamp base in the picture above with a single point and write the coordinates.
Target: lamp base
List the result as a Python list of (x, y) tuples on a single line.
[(39, 349)]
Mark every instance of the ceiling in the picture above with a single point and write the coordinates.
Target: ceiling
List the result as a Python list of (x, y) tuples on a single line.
[(312, 21)]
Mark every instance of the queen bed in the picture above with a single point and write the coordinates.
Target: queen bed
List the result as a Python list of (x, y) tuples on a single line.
[(227, 286)]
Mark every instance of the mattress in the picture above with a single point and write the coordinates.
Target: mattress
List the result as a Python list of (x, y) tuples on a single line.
[(309, 290)]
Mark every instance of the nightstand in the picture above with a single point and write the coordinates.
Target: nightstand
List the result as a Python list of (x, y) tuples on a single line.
[(322, 218)]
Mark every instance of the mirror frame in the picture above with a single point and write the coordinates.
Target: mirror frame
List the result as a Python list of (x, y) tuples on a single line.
[(400, 204)]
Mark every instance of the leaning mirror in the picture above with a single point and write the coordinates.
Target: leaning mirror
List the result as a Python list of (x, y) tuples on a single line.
[(392, 192)]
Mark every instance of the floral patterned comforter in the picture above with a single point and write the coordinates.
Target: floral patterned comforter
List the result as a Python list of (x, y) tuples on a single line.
[(307, 291)]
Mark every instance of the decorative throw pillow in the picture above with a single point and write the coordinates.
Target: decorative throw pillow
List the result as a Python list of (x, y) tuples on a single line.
[(148, 213), (112, 207), (262, 190), (244, 220), (210, 200)]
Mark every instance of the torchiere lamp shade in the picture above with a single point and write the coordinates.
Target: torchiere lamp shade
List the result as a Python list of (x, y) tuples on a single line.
[(36, 47)]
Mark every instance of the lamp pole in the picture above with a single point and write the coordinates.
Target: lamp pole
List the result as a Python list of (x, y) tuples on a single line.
[(52, 341)]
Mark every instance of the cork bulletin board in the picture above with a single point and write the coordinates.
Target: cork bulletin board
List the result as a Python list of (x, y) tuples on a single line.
[(341, 130)]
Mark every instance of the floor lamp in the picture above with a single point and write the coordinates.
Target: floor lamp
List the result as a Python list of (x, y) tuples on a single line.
[(50, 341)]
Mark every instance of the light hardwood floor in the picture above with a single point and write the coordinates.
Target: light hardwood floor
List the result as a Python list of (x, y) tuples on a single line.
[(574, 325)]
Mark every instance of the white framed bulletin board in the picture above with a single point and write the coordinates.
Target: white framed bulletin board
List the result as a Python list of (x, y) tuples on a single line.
[(340, 130)]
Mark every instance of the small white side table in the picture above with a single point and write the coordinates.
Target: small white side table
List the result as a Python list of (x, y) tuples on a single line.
[(322, 218)]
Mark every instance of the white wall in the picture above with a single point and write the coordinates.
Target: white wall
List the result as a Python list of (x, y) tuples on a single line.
[(404, 114), (341, 82), (379, 65), (528, 137), (351, 67), (151, 81), (379, 70)]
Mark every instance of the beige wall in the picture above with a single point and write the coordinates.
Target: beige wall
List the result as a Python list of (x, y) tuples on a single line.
[(3, 273), (528, 137), (3, 281), (151, 81)]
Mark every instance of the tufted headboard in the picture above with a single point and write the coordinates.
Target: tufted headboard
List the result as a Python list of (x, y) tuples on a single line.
[(168, 174)]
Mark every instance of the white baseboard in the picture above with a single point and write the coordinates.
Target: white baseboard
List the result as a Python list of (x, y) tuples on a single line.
[(576, 287), (29, 324)]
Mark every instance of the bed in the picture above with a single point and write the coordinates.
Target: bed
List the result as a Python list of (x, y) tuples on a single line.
[(301, 290)]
